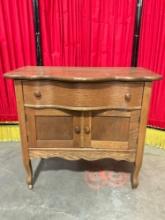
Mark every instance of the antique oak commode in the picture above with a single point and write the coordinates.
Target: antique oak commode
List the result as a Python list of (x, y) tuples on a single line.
[(88, 113)]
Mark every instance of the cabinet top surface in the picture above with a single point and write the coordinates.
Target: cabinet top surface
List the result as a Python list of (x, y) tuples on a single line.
[(83, 74)]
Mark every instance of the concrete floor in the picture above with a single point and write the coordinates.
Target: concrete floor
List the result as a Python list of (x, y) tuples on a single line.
[(81, 190)]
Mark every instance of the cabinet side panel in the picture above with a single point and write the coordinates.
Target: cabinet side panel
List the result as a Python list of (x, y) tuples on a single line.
[(143, 123), (21, 117)]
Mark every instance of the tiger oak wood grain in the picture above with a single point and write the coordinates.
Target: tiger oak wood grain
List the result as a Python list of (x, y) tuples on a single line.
[(83, 113), (83, 74), (83, 95)]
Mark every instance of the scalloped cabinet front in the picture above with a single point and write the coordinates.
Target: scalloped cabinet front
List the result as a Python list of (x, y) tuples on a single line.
[(83, 113)]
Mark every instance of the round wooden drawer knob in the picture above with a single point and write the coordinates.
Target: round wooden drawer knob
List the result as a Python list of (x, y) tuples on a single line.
[(77, 129), (37, 94), (127, 96), (87, 130)]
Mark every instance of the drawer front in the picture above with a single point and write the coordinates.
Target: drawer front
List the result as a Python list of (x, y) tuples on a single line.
[(87, 95)]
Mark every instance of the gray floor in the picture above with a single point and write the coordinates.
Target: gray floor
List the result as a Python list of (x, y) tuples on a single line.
[(81, 190)]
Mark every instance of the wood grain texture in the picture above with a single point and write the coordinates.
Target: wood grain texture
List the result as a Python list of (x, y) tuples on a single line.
[(83, 95), (134, 129), (87, 129), (112, 128), (23, 131), (83, 74), (54, 144), (86, 154), (141, 134), (115, 129), (113, 145), (77, 134), (31, 127), (82, 108), (53, 128)]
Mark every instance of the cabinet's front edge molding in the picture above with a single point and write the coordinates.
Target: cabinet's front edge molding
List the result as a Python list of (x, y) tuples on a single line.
[(87, 155), (81, 108)]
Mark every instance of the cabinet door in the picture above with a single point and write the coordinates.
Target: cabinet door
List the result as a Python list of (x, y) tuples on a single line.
[(51, 128), (114, 129)]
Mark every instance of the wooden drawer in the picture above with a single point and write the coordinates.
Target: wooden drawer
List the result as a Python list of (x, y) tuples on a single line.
[(83, 95)]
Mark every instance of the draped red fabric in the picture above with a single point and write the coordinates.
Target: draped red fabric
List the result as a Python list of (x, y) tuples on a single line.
[(152, 55), (17, 48), (87, 32)]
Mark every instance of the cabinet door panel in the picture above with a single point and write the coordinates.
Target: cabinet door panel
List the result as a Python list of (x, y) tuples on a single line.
[(114, 129), (110, 128), (49, 128), (57, 127)]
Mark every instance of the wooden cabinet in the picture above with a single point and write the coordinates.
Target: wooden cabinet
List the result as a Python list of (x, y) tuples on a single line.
[(88, 113)]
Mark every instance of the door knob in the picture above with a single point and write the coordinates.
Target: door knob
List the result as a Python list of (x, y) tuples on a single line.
[(87, 130), (37, 94), (127, 96), (77, 129)]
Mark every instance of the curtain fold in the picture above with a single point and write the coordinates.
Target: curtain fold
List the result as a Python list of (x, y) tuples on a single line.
[(87, 32), (152, 55), (17, 48)]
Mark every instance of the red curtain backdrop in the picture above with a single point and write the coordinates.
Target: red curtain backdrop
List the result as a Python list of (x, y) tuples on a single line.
[(152, 55), (82, 33), (17, 48), (87, 32)]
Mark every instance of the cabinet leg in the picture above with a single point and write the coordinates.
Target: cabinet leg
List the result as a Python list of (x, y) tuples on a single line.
[(135, 177), (29, 173)]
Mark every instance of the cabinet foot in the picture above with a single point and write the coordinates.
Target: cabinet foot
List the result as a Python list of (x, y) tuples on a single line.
[(29, 174), (134, 182), (135, 179)]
